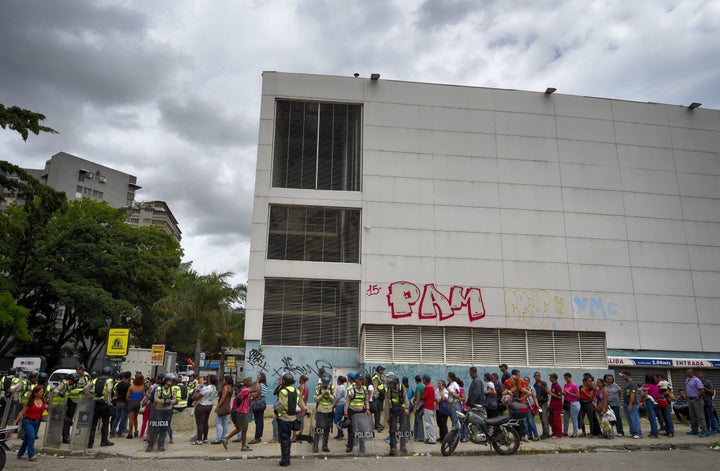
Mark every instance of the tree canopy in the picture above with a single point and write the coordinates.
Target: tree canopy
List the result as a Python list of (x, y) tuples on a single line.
[(78, 268), (23, 121)]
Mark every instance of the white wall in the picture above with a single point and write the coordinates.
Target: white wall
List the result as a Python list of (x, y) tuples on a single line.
[(566, 212)]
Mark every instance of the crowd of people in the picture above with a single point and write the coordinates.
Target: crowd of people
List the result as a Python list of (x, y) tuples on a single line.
[(358, 406)]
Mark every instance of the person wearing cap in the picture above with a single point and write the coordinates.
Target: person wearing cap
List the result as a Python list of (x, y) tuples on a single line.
[(378, 395), (83, 381), (357, 403), (428, 399), (631, 396)]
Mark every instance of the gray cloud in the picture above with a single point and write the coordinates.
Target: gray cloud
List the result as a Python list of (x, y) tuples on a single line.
[(436, 14)]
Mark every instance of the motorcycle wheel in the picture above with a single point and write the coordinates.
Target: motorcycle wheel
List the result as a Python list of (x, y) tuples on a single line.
[(2, 457), (508, 442), (450, 442)]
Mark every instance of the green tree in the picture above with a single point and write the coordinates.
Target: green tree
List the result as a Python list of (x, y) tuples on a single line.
[(87, 270), (23, 121), (203, 312)]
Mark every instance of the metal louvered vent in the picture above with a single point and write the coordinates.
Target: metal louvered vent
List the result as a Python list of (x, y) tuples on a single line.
[(314, 234), (458, 346), (317, 146), (593, 351), (513, 349), (319, 313), (541, 347)]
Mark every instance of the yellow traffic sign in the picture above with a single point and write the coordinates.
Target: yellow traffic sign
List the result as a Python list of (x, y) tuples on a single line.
[(117, 343), (157, 354)]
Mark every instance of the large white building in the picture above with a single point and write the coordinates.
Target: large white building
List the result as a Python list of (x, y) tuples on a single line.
[(431, 227)]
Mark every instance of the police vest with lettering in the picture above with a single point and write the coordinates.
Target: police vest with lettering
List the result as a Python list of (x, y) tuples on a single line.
[(380, 382)]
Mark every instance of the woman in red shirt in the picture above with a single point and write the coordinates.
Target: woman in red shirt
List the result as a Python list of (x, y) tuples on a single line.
[(31, 414)]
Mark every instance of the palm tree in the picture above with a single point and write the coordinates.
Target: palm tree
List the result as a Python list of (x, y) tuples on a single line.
[(205, 310)]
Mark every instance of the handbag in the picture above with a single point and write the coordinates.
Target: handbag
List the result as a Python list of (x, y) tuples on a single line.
[(297, 425), (224, 409), (566, 406), (258, 403)]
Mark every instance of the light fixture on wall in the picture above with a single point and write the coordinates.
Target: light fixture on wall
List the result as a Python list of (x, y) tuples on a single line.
[(550, 90), (374, 77), (694, 105)]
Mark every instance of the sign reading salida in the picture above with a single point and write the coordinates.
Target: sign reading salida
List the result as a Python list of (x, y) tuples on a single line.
[(406, 298)]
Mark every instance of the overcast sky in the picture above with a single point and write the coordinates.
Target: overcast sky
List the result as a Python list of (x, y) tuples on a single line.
[(169, 91)]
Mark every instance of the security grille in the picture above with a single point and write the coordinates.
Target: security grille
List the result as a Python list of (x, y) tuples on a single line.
[(314, 234), (458, 346), (317, 146), (314, 313)]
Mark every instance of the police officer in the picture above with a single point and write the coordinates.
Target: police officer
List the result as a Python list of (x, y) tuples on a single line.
[(24, 387), (191, 387), (43, 381), (7, 384), (165, 397), (397, 410), (69, 388), (82, 379), (324, 400), (378, 382), (357, 403), (101, 389), (288, 402)]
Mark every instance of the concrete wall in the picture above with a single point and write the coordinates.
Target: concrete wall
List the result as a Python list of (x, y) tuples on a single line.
[(565, 212)]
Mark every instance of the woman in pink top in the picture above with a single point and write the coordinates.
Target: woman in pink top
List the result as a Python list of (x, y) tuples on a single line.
[(651, 397), (571, 394)]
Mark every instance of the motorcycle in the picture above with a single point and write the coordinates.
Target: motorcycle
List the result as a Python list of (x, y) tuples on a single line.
[(5, 434), (499, 432)]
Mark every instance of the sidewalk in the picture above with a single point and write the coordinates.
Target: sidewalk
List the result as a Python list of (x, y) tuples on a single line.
[(183, 449)]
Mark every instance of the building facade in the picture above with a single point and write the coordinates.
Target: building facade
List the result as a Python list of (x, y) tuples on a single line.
[(154, 213), (431, 227), (80, 178)]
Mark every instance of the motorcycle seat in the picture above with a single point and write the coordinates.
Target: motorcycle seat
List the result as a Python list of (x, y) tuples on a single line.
[(497, 420)]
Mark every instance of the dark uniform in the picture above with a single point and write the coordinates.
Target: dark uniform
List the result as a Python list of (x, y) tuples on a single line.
[(102, 389), (397, 410), (71, 389), (378, 382), (286, 412), (164, 398)]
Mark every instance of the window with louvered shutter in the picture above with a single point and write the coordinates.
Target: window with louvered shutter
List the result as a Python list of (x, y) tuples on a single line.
[(317, 146), (567, 349), (593, 351), (458, 346), (314, 234), (541, 347), (313, 313), (513, 349)]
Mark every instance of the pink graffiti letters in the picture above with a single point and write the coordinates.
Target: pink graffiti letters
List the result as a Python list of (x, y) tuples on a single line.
[(431, 303)]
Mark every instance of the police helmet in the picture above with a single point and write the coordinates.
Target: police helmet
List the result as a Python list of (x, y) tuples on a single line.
[(325, 379), (106, 371), (74, 377), (32, 374), (288, 379), (169, 377), (43, 377), (392, 380), (12, 371)]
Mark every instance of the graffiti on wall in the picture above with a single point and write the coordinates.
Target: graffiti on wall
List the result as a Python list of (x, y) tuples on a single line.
[(534, 308), (256, 360), (594, 307), (405, 299), (540, 309)]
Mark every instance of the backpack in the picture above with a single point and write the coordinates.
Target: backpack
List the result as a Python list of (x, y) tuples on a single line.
[(99, 387), (292, 398), (7, 384), (183, 391)]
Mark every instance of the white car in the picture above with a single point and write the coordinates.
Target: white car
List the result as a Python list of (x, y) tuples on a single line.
[(58, 375)]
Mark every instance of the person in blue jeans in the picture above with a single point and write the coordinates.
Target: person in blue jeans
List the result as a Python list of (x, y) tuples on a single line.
[(340, 397), (417, 402), (631, 393), (118, 427), (712, 423), (31, 414)]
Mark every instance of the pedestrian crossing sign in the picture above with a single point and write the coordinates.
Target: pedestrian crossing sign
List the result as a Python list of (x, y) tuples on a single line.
[(117, 343)]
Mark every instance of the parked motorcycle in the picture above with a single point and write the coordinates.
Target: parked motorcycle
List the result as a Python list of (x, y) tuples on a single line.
[(5, 434), (499, 432)]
